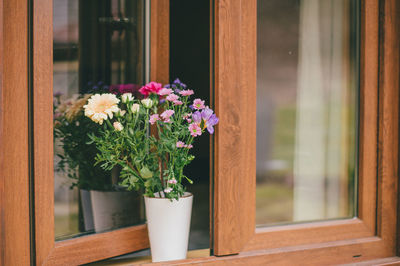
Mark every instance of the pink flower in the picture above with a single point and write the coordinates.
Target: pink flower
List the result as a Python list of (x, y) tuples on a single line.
[(152, 87), (154, 118), (165, 91), (198, 104), (189, 146), (172, 181), (180, 144), (194, 129), (177, 102), (189, 120), (172, 97), (166, 115), (187, 115), (186, 92), (168, 189)]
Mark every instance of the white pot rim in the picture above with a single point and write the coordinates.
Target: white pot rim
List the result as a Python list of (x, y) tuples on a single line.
[(185, 195)]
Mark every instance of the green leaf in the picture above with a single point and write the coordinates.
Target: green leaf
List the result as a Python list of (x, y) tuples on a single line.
[(146, 173)]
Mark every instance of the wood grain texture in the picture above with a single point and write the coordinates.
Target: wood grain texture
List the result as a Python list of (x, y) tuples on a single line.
[(14, 166), (159, 41), (331, 253), (235, 140), (99, 246), (368, 132), (229, 57), (2, 182), (308, 233), (88, 248), (43, 128), (388, 159)]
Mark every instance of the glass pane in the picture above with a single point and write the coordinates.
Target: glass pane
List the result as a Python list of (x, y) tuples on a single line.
[(98, 47), (307, 96)]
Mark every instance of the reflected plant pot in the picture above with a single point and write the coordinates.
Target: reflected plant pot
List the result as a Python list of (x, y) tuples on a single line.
[(168, 225), (87, 211), (116, 209)]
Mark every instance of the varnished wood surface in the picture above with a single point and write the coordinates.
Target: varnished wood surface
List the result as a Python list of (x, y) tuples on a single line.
[(368, 114), (43, 128), (388, 157), (331, 253), (159, 41), (99, 246), (14, 164), (103, 245), (228, 208), (235, 140), (307, 233)]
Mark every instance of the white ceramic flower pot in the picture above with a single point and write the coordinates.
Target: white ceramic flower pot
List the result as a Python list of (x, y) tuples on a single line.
[(86, 203), (168, 226), (115, 209)]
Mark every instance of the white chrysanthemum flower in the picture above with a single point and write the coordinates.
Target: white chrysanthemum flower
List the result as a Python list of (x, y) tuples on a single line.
[(135, 108), (118, 126), (148, 103), (101, 106), (127, 97)]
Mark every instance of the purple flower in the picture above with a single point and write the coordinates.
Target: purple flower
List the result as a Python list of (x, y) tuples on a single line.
[(196, 117), (206, 113), (208, 117), (211, 122), (179, 83)]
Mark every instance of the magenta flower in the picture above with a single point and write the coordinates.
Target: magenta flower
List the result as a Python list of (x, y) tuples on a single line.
[(198, 104), (172, 97), (123, 88), (152, 87), (186, 92), (177, 102), (165, 91), (180, 144), (154, 118), (194, 129)]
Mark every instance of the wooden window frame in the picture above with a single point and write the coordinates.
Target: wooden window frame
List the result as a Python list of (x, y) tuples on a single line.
[(373, 233), (100, 245), (233, 36)]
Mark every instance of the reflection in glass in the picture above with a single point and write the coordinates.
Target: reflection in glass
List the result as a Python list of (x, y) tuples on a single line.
[(98, 47), (307, 85)]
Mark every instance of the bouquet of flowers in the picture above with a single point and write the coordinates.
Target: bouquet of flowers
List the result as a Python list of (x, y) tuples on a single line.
[(149, 138), (76, 158), (71, 130)]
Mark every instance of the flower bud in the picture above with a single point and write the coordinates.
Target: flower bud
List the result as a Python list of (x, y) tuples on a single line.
[(118, 126), (135, 108), (148, 103), (127, 97)]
